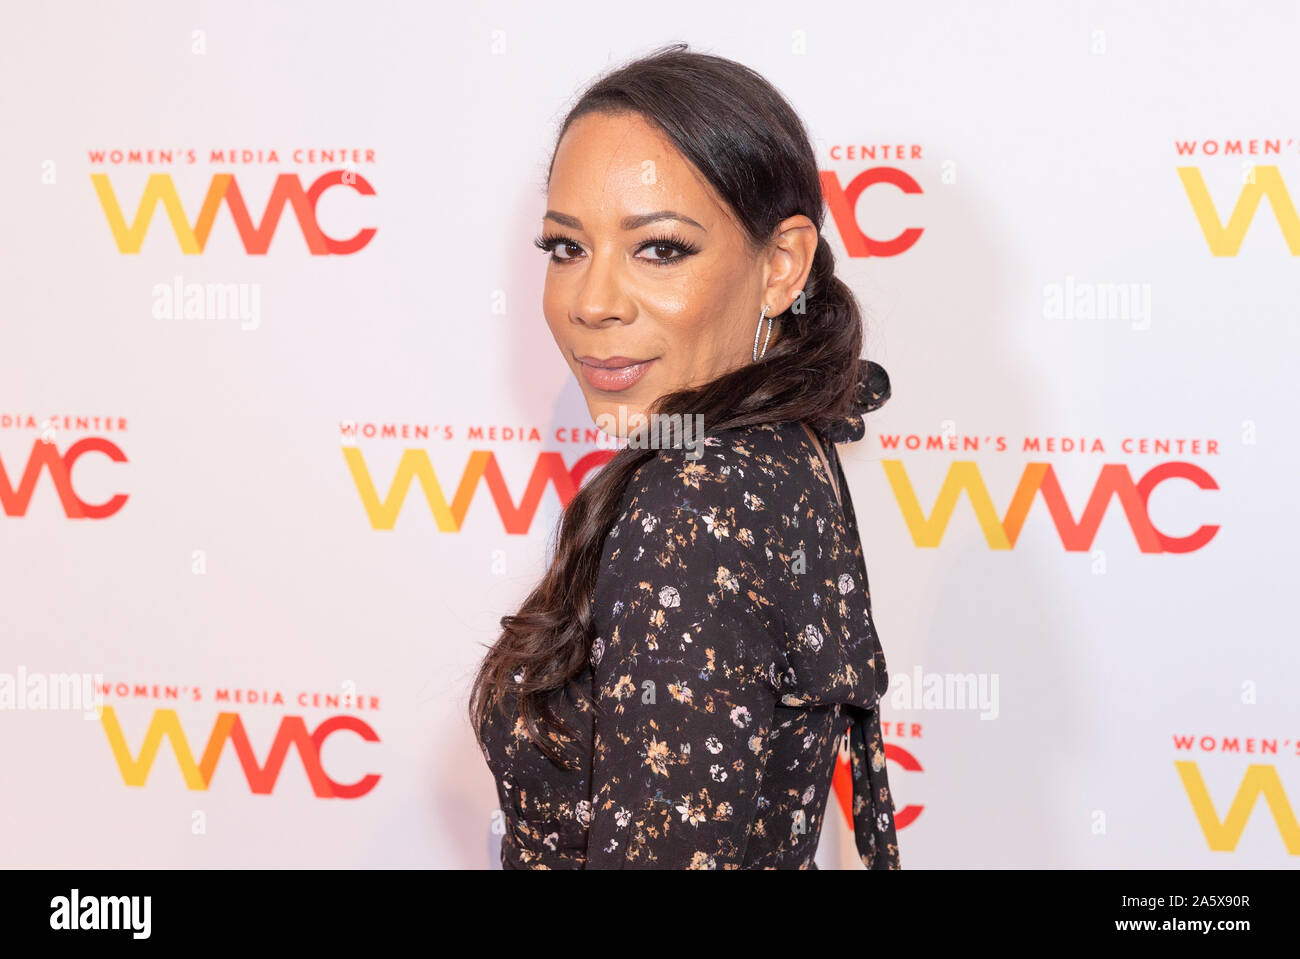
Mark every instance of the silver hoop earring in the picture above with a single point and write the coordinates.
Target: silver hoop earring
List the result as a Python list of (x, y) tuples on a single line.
[(762, 316)]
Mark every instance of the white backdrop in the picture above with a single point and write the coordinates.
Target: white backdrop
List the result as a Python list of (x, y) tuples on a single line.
[(1079, 282)]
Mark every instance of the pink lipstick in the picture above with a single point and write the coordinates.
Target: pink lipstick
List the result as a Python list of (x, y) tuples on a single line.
[(613, 373)]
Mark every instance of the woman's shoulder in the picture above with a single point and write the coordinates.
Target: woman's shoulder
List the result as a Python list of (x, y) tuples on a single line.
[(722, 463), (740, 501), (766, 475), (743, 529), (692, 550), (699, 497), (697, 511)]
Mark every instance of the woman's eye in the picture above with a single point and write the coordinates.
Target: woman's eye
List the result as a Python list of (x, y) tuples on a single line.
[(678, 250), (661, 251), (666, 248), (551, 243)]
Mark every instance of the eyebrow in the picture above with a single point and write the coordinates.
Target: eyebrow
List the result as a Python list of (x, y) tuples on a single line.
[(628, 222)]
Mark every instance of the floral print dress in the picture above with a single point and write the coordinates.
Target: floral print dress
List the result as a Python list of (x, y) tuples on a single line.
[(734, 648)]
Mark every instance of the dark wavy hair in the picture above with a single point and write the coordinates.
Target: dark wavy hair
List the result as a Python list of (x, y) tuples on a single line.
[(747, 141)]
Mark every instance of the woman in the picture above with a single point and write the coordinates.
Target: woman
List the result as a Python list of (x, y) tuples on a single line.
[(673, 693)]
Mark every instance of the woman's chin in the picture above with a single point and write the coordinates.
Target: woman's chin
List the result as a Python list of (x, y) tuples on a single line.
[(617, 420)]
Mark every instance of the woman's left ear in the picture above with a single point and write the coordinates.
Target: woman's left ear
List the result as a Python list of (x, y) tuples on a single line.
[(793, 248)]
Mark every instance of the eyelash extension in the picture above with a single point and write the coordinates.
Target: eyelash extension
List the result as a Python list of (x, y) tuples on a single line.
[(547, 243), (682, 245)]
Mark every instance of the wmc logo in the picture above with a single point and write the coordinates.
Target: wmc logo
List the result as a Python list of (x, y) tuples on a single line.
[(1114, 482), (549, 470), (14, 499), (287, 191), (842, 201), (1224, 239), (1038, 480), (261, 777), (1261, 779)]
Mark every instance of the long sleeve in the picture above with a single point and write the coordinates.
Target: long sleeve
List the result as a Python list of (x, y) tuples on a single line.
[(683, 678)]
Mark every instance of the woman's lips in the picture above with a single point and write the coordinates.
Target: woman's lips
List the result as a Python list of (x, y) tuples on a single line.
[(615, 373)]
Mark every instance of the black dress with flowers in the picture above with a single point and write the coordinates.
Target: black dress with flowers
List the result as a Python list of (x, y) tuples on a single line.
[(734, 648)]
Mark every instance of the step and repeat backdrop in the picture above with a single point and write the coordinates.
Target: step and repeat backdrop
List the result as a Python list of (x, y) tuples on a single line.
[(283, 433)]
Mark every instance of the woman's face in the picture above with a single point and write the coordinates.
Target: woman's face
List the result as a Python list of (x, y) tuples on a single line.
[(650, 285)]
